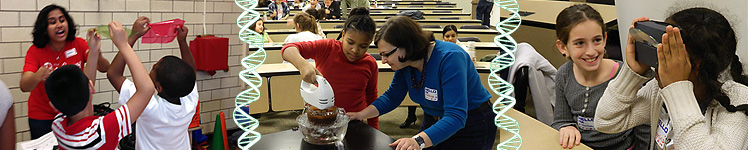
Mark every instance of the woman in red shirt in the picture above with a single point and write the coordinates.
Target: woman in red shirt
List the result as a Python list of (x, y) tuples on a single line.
[(345, 64), (55, 45)]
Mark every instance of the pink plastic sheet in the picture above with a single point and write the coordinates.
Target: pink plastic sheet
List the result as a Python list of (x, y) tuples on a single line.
[(162, 32)]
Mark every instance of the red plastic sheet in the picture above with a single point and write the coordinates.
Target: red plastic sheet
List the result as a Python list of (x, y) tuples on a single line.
[(162, 32)]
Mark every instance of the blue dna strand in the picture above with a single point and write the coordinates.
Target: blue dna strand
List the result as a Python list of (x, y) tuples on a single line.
[(249, 75), (508, 45)]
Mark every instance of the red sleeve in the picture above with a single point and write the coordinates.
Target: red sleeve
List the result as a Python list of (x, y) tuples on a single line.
[(82, 47), (371, 87), (312, 49), (117, 123), (31, 62)]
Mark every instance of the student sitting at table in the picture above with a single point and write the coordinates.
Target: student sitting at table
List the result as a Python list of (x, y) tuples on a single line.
[(306, 29), (332, 9), (580, 82), (298, 4), (278, 10), (313, 4), (450, 35), (345, 64), (259, 27), (443, 80), (697, 98)]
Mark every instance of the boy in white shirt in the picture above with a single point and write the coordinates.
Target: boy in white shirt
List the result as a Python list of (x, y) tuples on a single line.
[(164, 122)]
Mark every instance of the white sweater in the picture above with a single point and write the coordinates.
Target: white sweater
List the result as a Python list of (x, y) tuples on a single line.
[(625, 105)]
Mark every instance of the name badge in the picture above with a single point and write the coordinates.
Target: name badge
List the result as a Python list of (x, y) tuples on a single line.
[(664, 131), (585, 123), (70, 53), (430, 94)]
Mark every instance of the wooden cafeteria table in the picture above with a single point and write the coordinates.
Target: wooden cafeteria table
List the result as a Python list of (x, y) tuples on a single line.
[(274, 56), (384, 10), (535, 134), (538, 29), (330, 24), (482, 34)]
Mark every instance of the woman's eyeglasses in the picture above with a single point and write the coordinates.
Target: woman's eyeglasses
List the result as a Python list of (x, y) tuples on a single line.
[(388, 53)]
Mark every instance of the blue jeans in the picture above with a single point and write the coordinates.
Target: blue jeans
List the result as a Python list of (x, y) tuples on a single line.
[(478, 134), (39, 127), (483, 12)]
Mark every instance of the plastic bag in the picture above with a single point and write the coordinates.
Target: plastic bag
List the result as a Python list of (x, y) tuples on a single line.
[(162, 32), (103, 31)]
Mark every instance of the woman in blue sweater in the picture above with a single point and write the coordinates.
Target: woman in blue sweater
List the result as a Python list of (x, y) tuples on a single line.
[(443, 80)]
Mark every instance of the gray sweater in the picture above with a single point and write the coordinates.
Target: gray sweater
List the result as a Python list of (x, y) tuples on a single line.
[(574, 100)]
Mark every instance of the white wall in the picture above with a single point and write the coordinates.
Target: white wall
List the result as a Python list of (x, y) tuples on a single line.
[(216, 92), (733, 10), (464, 4)]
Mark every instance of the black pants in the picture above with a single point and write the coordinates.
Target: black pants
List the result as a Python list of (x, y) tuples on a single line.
[(479, 132)]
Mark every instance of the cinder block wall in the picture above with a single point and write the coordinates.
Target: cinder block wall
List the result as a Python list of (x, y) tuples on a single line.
[(216, 92)]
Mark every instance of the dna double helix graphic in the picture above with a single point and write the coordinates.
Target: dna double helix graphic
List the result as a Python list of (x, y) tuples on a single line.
[(246, 122), (504, 60)]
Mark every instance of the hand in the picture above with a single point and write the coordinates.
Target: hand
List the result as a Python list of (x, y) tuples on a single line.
[(327, 11), (570, 136), (93, 39), (139, 26), (674, 64), (406, 144), (43, 73), (182, 33), (118, 33), (636, 66), (309, 73), (355, 116)]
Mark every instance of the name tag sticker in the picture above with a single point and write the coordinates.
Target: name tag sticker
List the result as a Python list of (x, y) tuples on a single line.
[(430, 94), (585, 123), (70, 53), (664, 131)]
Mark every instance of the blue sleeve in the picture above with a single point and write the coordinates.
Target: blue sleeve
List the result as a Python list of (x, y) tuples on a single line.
[(453, 81), (394, 95)]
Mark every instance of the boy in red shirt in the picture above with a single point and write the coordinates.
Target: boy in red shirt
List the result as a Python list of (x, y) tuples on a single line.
[(70, 89)]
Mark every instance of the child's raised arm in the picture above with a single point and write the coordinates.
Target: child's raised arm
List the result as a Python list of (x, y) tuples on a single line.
[(115, 74), (184, 49), (94, 52), (142, 81)]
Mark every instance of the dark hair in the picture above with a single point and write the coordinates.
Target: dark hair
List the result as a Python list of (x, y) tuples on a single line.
[(573, 15), (449, 28), (711, 41), (404, 32), (360, 20), (41, 37), (67, 89), (429, 35), (317, 14), (306, 22), (253, 26), (177, 78)]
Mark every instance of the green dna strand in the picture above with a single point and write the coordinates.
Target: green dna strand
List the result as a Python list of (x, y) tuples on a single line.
[(504, 61), (249, 75)]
